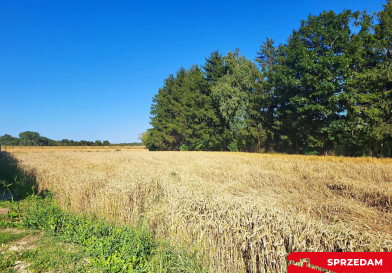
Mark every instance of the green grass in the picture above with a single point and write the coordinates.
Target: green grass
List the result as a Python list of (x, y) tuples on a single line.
[(110, 248), (7, 260), (68, 242), (45, 254), (75, 243), (52, 255), (48, 256), (9, 236)]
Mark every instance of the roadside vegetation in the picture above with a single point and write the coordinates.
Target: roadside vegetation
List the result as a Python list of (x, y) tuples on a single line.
[(36, 235)]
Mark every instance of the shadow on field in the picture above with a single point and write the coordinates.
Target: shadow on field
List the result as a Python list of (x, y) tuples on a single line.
[(15, 184)]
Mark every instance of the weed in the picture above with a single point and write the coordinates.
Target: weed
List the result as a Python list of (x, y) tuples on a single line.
[(109, 248)]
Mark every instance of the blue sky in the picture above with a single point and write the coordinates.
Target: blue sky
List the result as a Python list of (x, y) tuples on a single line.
[(89, 69)]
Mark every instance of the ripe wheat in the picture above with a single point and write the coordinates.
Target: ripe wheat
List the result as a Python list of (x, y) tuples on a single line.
[(245, 212)]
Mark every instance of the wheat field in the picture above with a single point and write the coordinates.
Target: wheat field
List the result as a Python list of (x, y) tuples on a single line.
[(243, 212)]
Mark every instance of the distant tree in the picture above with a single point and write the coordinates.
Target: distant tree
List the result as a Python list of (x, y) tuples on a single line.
[(86, 143), (236, 93), (106, 143), (214, 67), (8, 140), (65, 142), (369, 107), (328, 90), (200, 116), (44, 141), (183, 115), (29, 138), (142, 136), (267, 60), (310, 83), (98, 143), (167, 115)]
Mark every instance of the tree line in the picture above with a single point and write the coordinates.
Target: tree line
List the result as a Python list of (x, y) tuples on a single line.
[(29, 138), (327, 90)]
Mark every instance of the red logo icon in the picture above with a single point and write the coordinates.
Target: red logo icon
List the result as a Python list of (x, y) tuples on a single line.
[(339, 262)]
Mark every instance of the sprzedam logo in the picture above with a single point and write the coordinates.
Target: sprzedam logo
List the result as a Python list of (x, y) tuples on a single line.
[(355, 262), (339, 262)]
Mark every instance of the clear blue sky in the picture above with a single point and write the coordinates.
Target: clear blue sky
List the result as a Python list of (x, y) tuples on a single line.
[(89, 69)]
